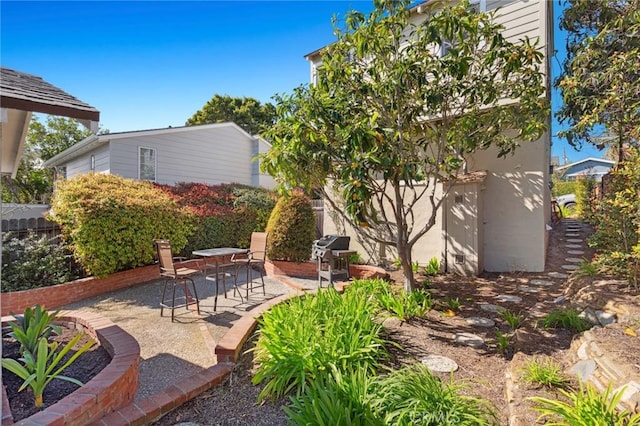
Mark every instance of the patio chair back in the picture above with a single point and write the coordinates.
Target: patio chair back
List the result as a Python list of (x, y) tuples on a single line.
[(258, 247), (165, 257)]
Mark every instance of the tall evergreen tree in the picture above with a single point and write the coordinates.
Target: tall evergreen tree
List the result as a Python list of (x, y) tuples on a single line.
[(247, 113)]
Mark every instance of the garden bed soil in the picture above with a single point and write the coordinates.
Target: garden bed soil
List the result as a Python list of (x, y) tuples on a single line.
[(84, 368)]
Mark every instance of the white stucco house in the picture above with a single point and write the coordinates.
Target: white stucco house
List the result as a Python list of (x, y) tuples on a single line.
[(210, 153), (496, 217)]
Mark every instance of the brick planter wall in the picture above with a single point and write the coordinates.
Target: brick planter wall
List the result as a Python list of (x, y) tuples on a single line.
[(55, 296), (308, 270), (114, 387)]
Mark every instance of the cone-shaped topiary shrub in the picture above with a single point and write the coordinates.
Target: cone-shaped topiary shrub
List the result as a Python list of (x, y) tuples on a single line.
[(111, 222), (291, 229)]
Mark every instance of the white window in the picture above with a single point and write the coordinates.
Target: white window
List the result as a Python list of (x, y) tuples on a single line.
[(92, 163), (147, 164)]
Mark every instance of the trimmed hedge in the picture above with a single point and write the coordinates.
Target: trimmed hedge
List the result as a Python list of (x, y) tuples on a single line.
[(225, 215), (110, 222), (291, 229)]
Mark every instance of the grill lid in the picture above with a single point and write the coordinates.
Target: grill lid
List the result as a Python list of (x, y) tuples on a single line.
[(332, 242)]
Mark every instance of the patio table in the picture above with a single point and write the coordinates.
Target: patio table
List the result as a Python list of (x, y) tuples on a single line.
[(213, 259)]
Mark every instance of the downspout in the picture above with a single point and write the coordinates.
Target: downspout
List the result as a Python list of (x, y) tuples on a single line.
[(446, 234)]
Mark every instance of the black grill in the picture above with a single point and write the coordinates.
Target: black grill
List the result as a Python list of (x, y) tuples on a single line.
[(331, 252), (322, 248)]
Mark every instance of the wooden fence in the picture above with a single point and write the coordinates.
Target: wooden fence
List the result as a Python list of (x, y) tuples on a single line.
[(21, 219), (318, 211)]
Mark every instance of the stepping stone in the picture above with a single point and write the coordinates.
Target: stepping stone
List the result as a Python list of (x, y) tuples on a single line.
[(468, 339), (575, 251), (584, 369), (488, 307), (573, 246), (528, 290), (509, 298), (574, 259), (589, 314), (544, 282), (570, 267), (481, 322), (605, 318), (558, 275), (571, 235), (559, 299), (574, 240), (439, 364)]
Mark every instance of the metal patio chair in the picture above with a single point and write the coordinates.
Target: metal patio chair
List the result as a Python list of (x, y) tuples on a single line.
[(175, 276), (255, 258)]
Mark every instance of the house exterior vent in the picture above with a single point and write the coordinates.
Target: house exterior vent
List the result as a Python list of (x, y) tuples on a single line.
[(459, 259), (458, 199)]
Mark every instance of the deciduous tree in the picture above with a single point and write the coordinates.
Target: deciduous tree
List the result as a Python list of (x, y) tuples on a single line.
[(247, 113), (390, 118), (600, 83), (34, 184)]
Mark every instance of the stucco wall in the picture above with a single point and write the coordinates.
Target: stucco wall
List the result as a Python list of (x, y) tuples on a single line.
[(516, 207)]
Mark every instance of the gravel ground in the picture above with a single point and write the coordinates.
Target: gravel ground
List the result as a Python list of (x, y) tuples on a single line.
[(170, 351)]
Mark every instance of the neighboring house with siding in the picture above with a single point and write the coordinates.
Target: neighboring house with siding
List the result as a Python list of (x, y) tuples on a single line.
[(593, 168), (211, 154), (495, 219)]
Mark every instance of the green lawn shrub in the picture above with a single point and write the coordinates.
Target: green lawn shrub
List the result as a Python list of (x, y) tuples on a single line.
[(36, 261), (414, 396), (299, 340), (291, 229), (110, 222), (225, 215), (335, 399), (585, 407)]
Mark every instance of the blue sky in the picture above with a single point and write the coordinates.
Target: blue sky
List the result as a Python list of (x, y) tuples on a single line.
[(152, 64)]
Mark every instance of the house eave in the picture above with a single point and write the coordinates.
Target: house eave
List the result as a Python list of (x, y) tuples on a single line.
[(598, 160), (169, 130), (88, 144)]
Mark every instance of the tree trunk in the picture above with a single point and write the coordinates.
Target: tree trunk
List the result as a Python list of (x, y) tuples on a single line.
[(404, 253)]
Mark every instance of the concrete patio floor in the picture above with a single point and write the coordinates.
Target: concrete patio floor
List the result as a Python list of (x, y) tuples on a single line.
[(171, 351)]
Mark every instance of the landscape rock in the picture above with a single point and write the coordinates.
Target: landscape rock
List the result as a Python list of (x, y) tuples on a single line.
[(439, 364), (605, 318), (488, 307), (584, 369), (468, 339), (558, 275), (481, 322)]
